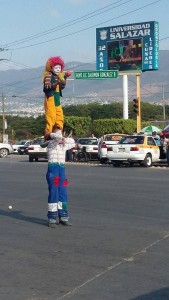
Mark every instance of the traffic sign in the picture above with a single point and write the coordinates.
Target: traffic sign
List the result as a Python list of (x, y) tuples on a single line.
[(104, 74)]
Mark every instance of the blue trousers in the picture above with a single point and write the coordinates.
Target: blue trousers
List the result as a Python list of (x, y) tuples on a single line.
[(57, 198)]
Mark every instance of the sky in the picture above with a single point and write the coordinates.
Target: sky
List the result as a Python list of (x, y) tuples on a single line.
[(31, 31)]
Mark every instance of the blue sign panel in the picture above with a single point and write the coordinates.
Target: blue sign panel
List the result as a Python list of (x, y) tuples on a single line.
[(131, 47)]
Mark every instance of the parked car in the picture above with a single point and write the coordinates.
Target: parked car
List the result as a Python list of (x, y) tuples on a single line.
[(17, 145), (134, 148), (165, 131), (24, 149), (5, 149), (70, 154), (106, 141), (86, 149), (35, 151)]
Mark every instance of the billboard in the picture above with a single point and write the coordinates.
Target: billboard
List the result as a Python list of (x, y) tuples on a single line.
[(130, 47)]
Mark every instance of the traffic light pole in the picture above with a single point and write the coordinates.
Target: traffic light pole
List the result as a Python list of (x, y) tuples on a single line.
[(139, 102)]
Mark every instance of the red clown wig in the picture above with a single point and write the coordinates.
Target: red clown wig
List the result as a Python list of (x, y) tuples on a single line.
[(53, 61)]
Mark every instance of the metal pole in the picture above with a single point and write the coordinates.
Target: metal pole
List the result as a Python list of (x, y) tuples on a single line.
[(3, 115), (139, 103), (163, 103), (125, 97)]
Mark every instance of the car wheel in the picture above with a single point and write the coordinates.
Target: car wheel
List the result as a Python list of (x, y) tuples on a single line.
[(30, 159), (82, 156), (147, 161), (116, 164), (4, 152), (36, 158), (103, 160)]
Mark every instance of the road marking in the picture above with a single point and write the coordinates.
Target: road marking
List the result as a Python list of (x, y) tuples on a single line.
[(110, 268)]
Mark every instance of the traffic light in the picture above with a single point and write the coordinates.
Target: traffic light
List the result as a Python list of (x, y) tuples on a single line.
[(136, 105)]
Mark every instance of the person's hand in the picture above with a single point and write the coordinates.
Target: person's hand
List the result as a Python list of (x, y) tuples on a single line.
[(47, 81), (67, 74)]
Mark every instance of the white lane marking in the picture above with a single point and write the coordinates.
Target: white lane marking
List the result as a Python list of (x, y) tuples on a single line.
[(108, 269)]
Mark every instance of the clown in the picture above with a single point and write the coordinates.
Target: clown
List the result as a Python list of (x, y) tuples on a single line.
[(54, 82)]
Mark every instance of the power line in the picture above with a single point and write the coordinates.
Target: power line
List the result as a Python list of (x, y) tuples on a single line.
[(70, 23), (84, 29)]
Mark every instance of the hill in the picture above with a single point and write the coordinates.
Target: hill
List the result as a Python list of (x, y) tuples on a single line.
[(23, 88)]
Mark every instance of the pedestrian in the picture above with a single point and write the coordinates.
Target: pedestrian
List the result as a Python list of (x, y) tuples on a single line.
[(166, 146), (93, 136), (156, 138), (54, 81), (56, 178), (69, 153)]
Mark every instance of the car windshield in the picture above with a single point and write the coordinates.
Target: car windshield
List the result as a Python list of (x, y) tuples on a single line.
[(21, 143), (132, 140), (88, 141), (113, 138), (27, 143), (38, 141)]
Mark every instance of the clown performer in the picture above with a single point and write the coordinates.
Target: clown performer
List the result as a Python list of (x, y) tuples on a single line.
[(56, 178), (54, 81)]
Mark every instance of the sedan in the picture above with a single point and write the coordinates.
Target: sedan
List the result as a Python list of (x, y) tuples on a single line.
[(132, 149), (17, 145), (35, 151), (106, 141), (5, 149), (24, 149)]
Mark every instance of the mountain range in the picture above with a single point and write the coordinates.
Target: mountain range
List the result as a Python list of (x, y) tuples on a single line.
[(23, 88)]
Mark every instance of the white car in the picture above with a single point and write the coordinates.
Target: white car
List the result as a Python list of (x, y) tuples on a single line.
[(135, 148), (16, 146), (107, 140), (35, 151), (86, 149), (5, 149)]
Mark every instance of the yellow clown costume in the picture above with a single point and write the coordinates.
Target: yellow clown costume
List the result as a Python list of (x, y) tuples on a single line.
[(54, 82)]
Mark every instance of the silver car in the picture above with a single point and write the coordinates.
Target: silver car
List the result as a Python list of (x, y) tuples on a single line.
[(5, 149)]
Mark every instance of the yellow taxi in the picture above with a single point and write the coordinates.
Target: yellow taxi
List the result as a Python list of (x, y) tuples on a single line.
[(130, 149)]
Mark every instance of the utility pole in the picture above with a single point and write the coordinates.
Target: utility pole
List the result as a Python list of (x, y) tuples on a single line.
[(163, 98), (3, 115), (4, 123), (163, 103)]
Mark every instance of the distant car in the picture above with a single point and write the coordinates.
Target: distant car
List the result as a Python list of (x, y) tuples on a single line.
[(134, 148), (70, 154), (5, 149), (165, 131), (106, 141), (17, 145), (35, 151), (86, 149), (24, 149)]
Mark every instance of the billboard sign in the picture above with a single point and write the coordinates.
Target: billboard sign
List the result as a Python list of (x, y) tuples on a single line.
[(130, 47)]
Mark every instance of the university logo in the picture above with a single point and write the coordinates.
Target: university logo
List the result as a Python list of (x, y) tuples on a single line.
[(103, 35)]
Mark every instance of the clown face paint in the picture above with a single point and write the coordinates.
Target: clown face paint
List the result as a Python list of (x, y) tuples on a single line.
[(56, 69)]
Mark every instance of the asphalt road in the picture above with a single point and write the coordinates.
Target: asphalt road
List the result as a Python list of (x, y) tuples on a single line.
[(117, 248)]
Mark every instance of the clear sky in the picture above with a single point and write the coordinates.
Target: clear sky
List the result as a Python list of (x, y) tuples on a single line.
[(33, 30)]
